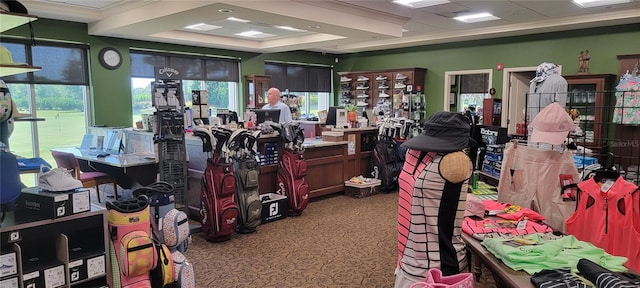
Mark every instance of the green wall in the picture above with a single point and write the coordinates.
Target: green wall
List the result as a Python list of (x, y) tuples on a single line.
[(112, 92), (561, 48), (111, 89)]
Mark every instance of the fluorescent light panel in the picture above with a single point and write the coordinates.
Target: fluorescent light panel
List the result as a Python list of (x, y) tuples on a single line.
[(238, 20), (596, 3), (289, 28), (420, 3), (254, 34), (474, 18), (202, 27)]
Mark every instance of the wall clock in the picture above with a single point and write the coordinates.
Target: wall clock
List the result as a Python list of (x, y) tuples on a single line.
[(110, 58)]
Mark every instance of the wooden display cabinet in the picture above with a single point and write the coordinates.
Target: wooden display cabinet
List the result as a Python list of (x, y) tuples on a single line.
[(256, 87), (592, 95), (415, 78)]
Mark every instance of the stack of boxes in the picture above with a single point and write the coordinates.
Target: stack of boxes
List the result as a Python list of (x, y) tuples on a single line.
[(492, 163)]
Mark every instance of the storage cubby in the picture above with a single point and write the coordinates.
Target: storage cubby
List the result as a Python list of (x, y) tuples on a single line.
[(70, 251)]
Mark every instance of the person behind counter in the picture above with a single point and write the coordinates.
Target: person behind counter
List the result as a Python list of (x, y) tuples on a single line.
[(273, 98)]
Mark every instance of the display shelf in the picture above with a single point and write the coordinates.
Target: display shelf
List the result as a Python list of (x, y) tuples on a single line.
[(42, 243), (8, 70), (10, 20)]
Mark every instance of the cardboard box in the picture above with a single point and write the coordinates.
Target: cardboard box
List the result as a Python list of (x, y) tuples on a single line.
[(35, 204), (362, 190), (8, 264), (332, 136), (9, 282), (86, 267), (274, 207)]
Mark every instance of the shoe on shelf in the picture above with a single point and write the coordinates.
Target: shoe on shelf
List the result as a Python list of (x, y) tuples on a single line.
[(363, 95), (383, 87), (400, 86), (383, 95), (362, 78), (400, 76), (345, 79), (381, 77), (58, 179), (362, 87), (362, 103)]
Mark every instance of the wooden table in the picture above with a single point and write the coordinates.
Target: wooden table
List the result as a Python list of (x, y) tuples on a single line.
[(503, 275)]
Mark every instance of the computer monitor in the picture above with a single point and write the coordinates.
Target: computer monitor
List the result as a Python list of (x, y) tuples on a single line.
[(263, 115)]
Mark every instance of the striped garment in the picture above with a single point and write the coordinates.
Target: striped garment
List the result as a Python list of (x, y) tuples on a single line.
[(430, 213), (479, 228)]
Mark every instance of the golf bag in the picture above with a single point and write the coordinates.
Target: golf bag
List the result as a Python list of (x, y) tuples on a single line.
[(292, 168), (385, 158), (218, 188), (134, 254), (243, 146)]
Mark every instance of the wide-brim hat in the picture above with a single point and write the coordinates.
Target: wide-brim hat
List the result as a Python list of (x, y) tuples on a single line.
[(14, 6), (443, 132)]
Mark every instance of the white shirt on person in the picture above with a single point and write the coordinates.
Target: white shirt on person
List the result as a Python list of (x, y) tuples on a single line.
[(285, 113)]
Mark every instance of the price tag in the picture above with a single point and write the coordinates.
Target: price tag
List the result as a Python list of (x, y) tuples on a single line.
[(521, 225), (607, 185)]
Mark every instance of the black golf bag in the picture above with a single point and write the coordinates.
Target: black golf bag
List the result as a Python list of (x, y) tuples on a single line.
[(385, 157), (292, 168)]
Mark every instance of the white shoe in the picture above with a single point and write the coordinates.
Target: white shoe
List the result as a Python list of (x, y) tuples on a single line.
[(383, 87), (58, 179), (400, 76), (362, 103), (362, 87), (362, 96), (381, 77), (400, 86), (362, 78), (383, 95), (345, 79)]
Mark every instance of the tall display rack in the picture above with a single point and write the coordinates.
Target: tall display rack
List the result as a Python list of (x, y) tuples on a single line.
[(169, 136)]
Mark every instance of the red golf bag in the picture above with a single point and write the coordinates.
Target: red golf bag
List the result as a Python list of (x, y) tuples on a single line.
[(218, 204), (292, 168)]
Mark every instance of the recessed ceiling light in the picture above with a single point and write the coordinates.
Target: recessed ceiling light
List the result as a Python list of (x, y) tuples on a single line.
[(254, 34), (405, 30), (596, 3), (225, 10), (238, 19), (478, 17), (313, 27), (420, 3), (202, 27), (290, 28)]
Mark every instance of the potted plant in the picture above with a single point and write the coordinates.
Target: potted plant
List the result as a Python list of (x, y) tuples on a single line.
[(351, 112)]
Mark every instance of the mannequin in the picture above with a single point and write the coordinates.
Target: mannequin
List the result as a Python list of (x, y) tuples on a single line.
[(547, 87)]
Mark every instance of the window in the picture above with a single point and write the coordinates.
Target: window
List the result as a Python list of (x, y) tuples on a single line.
[(218, 76), (312, 84), (57, 94), (473, 89)]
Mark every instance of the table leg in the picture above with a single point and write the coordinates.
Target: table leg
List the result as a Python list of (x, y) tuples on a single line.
[(476, 266)]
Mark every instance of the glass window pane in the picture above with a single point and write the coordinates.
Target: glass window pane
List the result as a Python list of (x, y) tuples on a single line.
[(19, 55), (141, 97)]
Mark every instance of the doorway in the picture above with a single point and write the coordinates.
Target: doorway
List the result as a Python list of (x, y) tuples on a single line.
[(515, 85)]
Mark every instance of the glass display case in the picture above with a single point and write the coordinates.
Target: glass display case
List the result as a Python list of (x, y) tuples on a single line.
[(256, 87)]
